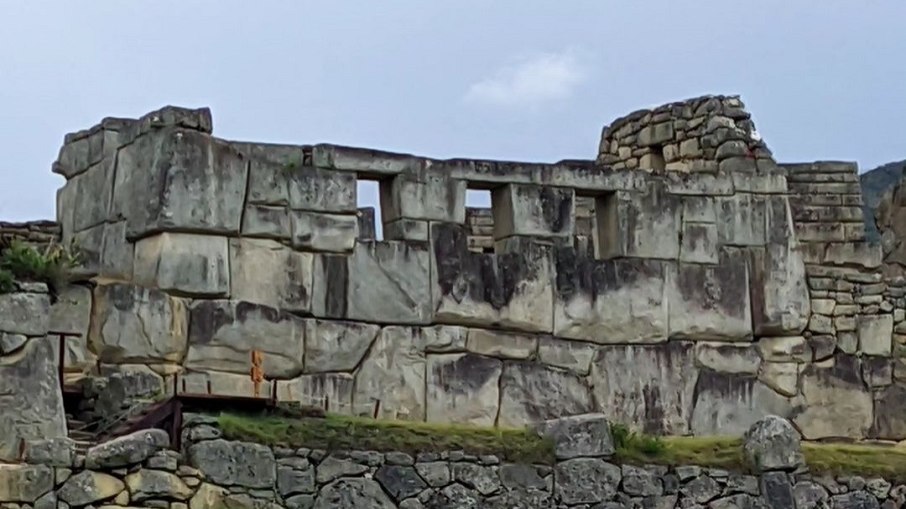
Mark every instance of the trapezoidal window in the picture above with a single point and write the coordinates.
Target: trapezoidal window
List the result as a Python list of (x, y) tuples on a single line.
[(368, 203), (479, 220)]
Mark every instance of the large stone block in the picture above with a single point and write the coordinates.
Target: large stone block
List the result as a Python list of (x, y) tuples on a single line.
[(463, 388), (24, 313), (392, 376), (131, 324), (425, 195), (321, 190), (269, 273), (117, 254), (222, 384), (25, 483), (72, 313), (533, 211), (875, 334), (184, 263), (511, 290), (531, 392), (610, 301), (334, 345), (31, 402), (835, 401), (223, 334), (649, 387), (642, 225), (890, 413), (710, 301), (235, 463), (180, 180), (331, 391), (741, 220), (381, 282), (266, 221), (315, 231), (503, 345), (729, 404), (85, 200)]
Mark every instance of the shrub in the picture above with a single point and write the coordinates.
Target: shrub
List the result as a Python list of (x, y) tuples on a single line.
[(19, 260)]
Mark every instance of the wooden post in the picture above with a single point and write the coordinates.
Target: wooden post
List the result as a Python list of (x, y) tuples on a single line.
[(377, 408), (257, 373)]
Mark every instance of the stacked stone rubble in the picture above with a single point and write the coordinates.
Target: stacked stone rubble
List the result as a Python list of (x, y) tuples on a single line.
[(674, 299), (35, 233)]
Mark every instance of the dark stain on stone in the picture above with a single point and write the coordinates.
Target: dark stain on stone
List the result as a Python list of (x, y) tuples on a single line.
[(723, 386), (579, 273), (206, 318), (654, 415), (890, 406), (544, 392), (336, 274), (556, 208), (466, 374), (846, 371), (720, 287), (246, 311)]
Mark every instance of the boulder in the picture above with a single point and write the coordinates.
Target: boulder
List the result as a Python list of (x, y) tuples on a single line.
[(574, 356), (227, 463), (147, 483), (356, 493), (87, 487), (31, 399), (25, 483), (127, 450), (586, 435), (503, 345), (131, 324), (773, 444), (463, 388), (223, 334), (531, 392)]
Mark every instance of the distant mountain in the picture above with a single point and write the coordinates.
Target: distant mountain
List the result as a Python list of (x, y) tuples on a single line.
[(875, 183)]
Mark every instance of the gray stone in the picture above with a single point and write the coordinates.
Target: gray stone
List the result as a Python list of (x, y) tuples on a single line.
[(854, 500), (87, 487), (25, 483), (47, 501), (518, 476), (267, 222), (24, 313), (9, 343), (400, 482), (484, 479), (777, 491), (570, 355), (531, 392), (223, 334), (291, 481), (150, 484), (266, 272), (334, 467), (876, 334), (809, 495), (320, 190), (533, 211), (31, 399), (54, 452), (728, 357), (580, 435), (501, 345), (701, 489), (127, 450), (633, 387), (890, 403), (738, 501), (313, 231), (773, 444), (393, 373), (835, 402), (426, 195), (586, 480), (300, 502), (234, 463), (463, 388), (183, 263), (131, 324), (639, 482), (454, 496), (72, 313), (336, 345), (331, 390), (728, 404), (435, 473), (353, 494)]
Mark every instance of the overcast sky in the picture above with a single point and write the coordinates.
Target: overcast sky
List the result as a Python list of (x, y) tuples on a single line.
[(519, 80)]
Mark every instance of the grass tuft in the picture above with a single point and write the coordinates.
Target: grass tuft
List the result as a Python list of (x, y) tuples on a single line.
[(7, 281), (335, 433), (21, 261)]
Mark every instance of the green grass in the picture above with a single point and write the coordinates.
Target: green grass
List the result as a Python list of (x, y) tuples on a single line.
[(335, 432), (7, 281), (23, 262)]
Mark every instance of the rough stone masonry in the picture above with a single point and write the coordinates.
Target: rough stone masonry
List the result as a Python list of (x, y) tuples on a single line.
[(682, 282)]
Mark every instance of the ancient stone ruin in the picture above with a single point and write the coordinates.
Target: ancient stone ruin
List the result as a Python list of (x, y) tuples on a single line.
[(681, 282)]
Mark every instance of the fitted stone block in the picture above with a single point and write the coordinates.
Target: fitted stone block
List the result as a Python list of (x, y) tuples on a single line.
[(313, 231), (643, 225), (330, 391), (610, 301), (266, 221), (875, 334), (699, 244), (269, 273), (184, 263), (426, 196), (319, 190), (463, 388), (333, 345), (391, 378), (533, 211), (180, 180)]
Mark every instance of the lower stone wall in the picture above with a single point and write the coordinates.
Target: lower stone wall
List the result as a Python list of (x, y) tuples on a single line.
[(138, 470), (32, 232)]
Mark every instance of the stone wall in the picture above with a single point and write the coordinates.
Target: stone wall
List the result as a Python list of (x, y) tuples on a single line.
[(38, 233), (138, 470), (669, 284)]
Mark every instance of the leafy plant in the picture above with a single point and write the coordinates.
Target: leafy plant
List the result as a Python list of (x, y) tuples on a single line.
[(22, 261), (7, 281)]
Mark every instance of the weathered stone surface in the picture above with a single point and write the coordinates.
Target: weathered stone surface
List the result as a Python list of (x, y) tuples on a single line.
[(728, 404), (776, 490), (223, 334), (221, 383), (699, 243), (127, 450), (381, 282), (400, 481), (9, 343), (180, 180), (148, 483), (133, 324), (533, 211), (463, 388), (579, 435), (610, 301), (332, 345), (353, 494), (88, 486), (30, 397), (741, 220), (72, 313), (889, 407), (710, 302), (478, 477), (269, 273), (428, 196), (571, 355), (321, 190), (331, 390), (266, 222), (785, 349), (876, 334), (586, 480), (25, 483), (501, 344), (313, 231), (530, 392), (511, 289), (184, 263), (647, 387), (728, 357), (836, 402), (393, 373), (783, 377), (291, 481), (207, 496), (234, 463), (24, 313), (773, 444), (642, 224), (54, 452)]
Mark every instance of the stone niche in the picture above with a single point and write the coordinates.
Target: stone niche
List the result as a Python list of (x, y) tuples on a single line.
[(664, 282)]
